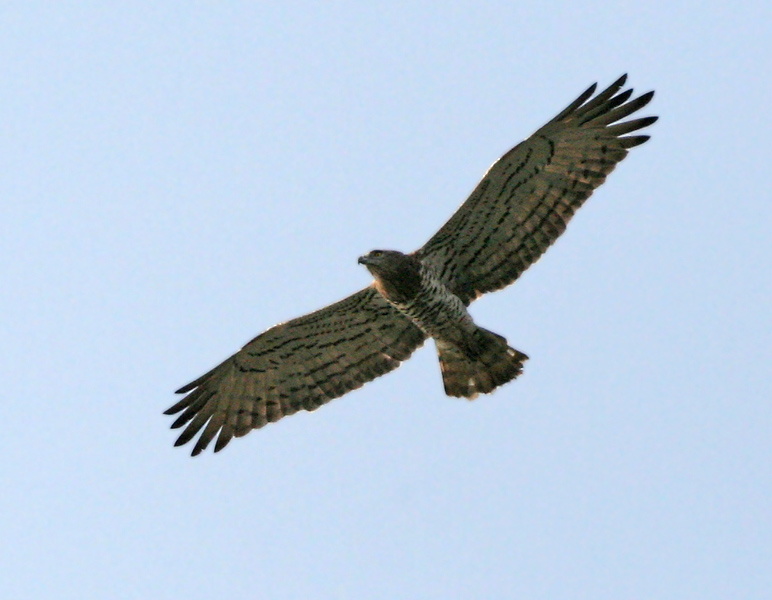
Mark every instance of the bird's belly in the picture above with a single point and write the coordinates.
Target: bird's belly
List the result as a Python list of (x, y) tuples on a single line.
[(437, 312)]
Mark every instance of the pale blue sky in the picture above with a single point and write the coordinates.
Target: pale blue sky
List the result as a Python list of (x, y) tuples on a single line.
[(179, 176)]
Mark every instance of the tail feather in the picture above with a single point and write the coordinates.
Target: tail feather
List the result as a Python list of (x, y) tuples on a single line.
[(486, 364)]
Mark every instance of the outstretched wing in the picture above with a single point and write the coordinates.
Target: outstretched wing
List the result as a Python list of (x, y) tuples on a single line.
[(297, 365), (528, 196)]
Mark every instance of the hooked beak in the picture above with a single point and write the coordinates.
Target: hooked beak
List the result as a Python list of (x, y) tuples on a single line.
[(363, 260)]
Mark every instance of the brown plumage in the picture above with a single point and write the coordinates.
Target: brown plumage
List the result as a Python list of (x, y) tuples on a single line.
[(517, 211), (472, 359)]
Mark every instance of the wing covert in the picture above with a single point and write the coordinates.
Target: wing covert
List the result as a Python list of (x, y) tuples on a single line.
[(297, 365), (525, 200)]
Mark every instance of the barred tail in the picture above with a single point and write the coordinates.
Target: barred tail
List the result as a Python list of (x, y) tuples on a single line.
[(488, 363)]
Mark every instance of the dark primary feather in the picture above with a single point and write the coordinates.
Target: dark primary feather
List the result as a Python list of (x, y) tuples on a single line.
[(297, 365), (527, 197)]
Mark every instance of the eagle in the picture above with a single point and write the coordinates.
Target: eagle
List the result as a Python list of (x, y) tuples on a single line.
[(519, 208)]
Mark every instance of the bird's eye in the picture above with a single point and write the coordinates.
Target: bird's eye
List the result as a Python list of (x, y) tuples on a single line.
[(376, 254)]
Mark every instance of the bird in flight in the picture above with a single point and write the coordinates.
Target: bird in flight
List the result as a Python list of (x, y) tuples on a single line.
[(515, 213)]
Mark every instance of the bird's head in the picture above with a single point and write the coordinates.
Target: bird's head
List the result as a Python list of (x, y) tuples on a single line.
[(381, 262), (397, 275)]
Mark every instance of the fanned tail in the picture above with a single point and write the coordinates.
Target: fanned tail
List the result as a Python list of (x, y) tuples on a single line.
[(488, 363)]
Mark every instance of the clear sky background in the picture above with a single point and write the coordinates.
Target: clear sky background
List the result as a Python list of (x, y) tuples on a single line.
[(178, 176)]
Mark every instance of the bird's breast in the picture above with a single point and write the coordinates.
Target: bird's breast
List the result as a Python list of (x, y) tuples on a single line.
[(435, 309)]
